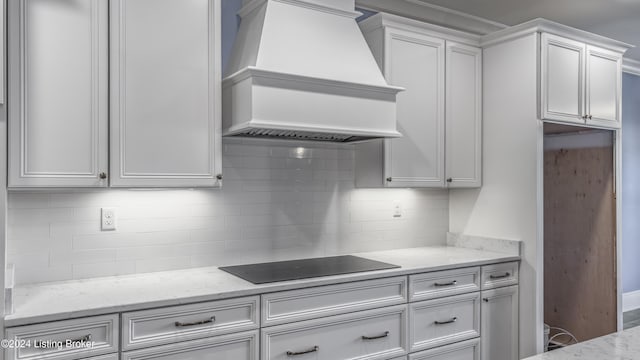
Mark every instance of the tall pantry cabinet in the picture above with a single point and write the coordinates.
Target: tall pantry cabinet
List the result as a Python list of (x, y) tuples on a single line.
[(438, 114), (159, 61)]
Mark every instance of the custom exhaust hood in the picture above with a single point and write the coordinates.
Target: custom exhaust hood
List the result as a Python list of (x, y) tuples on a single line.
[(301, 69)]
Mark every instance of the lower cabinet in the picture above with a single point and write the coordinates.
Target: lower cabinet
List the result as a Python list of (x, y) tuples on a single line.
[(105, 357), (459, 314), (65, 340), (372, 335), (500, 323), (444, 321), (241, 346), (465, 350)]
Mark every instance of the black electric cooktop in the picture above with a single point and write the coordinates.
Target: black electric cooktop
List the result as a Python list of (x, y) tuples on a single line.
[(305, 268)]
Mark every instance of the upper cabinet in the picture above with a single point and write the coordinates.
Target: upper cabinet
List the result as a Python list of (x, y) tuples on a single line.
[(165, 95), (58, 93), (162, 69), (438, 114), (580, 83), (463, 139)]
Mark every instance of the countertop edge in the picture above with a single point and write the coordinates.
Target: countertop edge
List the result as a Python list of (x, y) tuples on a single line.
[(13, 320)]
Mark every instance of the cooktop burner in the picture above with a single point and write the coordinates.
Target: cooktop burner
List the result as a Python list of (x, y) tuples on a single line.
[(305, 268)]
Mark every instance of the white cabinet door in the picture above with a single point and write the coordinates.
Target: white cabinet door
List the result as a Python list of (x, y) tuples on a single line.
[(464, 350), (165, 95), (464, 115), (562, 79), (377, 334), (2, 51), (604, 87), (239, 346), (58, 93), (416, 62), (499, 312)]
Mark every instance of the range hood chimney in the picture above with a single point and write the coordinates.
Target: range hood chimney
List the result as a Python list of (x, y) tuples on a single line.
[(301, 69)]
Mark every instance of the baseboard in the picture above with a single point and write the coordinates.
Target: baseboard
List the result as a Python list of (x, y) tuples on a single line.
[(631, 300)]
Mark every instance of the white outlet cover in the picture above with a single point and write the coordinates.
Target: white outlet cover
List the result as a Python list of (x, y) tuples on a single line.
[(108, 218)]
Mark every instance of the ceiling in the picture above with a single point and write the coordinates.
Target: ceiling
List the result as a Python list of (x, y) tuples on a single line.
[(617, 19)]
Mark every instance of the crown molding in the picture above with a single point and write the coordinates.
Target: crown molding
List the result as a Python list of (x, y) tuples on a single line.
[(438, 15), (543, 25), (631, 66), (381, 20)]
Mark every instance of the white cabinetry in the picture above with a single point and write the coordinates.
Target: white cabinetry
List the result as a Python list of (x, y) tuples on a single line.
[(438, 114), (377, 334), (580, 83), (459, 313), (165, 79), (58, 93), (464, 350), (163, 71), (499, 314), (65, 340), (241, 346), (463, 139)]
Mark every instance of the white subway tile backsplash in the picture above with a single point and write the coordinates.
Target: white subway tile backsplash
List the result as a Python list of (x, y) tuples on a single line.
[(91, 270), (162, 264), (279, 201), (60, 257)]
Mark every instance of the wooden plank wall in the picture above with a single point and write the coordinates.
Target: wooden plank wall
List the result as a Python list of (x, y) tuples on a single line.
[(579, 241)]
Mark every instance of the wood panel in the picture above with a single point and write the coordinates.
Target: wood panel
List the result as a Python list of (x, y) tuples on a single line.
[(579, 241)]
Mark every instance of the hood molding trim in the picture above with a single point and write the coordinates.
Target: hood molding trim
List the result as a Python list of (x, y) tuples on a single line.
[(311, 82), (254, 4)]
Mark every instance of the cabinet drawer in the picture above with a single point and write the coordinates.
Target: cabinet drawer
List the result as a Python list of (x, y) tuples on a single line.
[(241, 346), (499, 275), (444, 321), (66, 340), (105, 357), (443, 283), (377, 334), (186, 322), (304, 304), (465, 350)]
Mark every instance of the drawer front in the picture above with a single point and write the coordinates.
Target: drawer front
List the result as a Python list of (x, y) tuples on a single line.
[(288, 306), (443, 283), (66, 340), (241, 346), (378, 334), (186, 322), (499, 275), (444, 321), (104, 357), (465, 350)]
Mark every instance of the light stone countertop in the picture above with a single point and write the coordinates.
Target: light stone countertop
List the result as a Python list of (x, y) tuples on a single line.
[(623, 345), (78, 298)]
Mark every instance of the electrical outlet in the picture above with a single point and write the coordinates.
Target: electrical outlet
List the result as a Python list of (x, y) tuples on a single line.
[(108, 218), (397, 210)]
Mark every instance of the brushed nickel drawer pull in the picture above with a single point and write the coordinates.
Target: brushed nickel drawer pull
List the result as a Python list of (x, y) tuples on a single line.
[(386, 333), (499, 276), (208, 321), (294, 353), (85, 338), (453, 319), (454, 282)]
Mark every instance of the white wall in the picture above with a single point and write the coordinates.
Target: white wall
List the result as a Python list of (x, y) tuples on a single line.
[(507, 205), (278, 201)]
